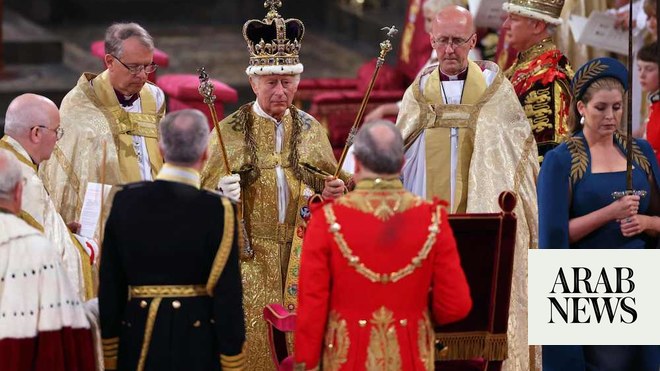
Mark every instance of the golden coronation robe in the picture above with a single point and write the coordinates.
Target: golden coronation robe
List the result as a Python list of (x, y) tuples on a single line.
[(268, 157), (92, 118), (495, 152)]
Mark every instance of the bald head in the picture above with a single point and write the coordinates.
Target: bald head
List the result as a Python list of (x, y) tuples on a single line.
[(28, 110), (33, 121), (452, 36), (379, 147), (455, 16)]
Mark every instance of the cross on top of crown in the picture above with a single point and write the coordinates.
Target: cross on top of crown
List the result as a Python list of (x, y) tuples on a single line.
[(273, 5)]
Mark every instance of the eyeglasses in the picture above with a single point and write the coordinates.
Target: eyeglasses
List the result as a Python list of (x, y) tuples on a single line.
[(59, 132), (455, 42), (136, 69)]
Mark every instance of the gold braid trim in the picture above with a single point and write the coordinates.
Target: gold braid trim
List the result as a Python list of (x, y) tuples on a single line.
[(579, 158), (5, 145), (469, 345), (148, 330), (72, 178), (637, 154), (167, 291), (32, 222), (369, 274), (224, 250), (110, 350)]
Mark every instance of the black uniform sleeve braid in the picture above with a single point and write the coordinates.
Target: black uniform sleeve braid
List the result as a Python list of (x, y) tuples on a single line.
[(228, 307)]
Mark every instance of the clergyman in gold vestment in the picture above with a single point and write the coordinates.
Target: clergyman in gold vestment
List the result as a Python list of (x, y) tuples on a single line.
[(467, 139), (267, 141), (32, 129), (117, 109)]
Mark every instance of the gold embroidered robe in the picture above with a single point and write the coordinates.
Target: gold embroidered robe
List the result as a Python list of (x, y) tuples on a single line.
[(267, 278), (38, 210), (497, 152), (92, 117), (541, 77)]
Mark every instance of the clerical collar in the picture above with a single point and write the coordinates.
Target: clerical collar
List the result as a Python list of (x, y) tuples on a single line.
[(179, 174), (654, 97), (460, 77), (124, 100), (379, 183), (260, 112), (536, 50)]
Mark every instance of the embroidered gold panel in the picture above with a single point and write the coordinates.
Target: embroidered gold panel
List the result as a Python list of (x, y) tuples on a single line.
[(383, 353), (337, 343)]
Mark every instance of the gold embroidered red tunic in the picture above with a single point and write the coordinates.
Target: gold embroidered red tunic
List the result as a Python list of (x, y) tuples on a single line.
[(369, 261), (541, 77)]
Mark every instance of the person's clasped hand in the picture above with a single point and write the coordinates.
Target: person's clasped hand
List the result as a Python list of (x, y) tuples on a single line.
[(625, 207), (230, 186), (334, 187)]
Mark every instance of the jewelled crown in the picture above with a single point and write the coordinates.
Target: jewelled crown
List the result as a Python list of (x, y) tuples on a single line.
[(545, 10), (273, 43)]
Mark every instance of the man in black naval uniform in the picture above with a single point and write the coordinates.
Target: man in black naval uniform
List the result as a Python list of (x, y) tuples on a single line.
[(170, 292)]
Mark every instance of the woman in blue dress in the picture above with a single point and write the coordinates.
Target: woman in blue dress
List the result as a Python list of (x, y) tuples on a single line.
[(576, 207)]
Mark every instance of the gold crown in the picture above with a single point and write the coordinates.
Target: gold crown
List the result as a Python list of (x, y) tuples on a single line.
[(274, 43), (545, 10)]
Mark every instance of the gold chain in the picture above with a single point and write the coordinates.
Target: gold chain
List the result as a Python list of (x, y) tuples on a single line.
[(362, 269)]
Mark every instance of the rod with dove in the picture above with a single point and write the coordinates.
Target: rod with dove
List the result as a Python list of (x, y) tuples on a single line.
[(385, 47)]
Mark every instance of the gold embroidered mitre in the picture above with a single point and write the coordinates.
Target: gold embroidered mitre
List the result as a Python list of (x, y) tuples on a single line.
[(548, 11), (274, 43)]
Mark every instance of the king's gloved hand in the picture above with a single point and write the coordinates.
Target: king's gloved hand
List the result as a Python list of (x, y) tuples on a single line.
[(230, 186)]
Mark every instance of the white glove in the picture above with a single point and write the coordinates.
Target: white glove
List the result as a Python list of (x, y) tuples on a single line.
[(230, 186)]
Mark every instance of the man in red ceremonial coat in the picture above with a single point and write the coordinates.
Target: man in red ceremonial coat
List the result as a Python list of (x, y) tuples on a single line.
[(369, 260), (541, 74)]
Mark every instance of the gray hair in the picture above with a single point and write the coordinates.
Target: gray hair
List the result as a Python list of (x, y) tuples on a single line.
[(382, 156), (184, 136), (118, 32), (10, 174)]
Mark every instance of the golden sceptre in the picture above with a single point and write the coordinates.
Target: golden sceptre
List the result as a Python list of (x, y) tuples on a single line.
[(206, 90), (385, 47)]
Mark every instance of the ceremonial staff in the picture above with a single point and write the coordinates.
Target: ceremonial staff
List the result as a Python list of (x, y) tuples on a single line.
[(629, 136), (206, 90), (385, 47)]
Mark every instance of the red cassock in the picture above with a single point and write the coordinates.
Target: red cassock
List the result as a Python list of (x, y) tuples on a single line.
[(373, 263)]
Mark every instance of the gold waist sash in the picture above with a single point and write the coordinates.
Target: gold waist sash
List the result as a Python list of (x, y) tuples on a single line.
[(158, 293), (278, 232), (167, 291)]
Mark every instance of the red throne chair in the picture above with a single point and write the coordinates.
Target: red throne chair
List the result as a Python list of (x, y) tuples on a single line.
[(182, 93), (160, 57), (486, 245)]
